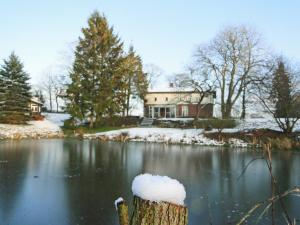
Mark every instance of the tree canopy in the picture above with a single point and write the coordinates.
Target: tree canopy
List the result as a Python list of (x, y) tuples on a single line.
[(14, 92), (102, 73)]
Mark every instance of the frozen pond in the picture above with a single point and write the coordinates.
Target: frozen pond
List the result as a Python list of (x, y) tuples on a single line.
[(70, 182)]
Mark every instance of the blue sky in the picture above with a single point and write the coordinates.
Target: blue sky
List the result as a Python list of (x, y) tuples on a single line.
[(163, 32)]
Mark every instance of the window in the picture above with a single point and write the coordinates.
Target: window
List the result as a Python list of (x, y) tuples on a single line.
[(155, 99), (173, 110), (167, 99), (168, 114), (185, 111), (155, 112)]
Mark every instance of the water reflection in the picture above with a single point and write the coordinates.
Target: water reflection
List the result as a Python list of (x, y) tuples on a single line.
[(75, 182)]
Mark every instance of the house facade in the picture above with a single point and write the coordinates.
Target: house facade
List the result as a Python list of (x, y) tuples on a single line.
[(178, 104), (35, 106)]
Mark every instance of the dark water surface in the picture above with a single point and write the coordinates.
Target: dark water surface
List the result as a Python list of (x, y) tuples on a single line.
[(69, 182)]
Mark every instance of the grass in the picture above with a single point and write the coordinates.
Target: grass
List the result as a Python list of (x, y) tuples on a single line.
[(259, 137), (86, 130)]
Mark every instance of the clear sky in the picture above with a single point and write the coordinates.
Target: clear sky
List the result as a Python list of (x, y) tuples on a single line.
[(163, 32)]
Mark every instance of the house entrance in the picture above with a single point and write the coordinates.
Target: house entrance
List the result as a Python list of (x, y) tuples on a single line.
[(162, 112)]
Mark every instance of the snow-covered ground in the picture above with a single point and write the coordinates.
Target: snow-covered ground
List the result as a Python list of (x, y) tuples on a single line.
[(57, 118), (49, 127), (257, 123), (164, 135), (34, 129), (185, 136)]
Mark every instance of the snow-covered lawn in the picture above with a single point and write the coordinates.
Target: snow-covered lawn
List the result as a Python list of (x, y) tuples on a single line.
[(185, 136), (34, 129), (257, 123), (57, 118), (163, 135)]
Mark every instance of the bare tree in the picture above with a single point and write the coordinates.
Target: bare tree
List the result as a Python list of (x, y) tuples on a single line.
[(53, 84), (153, 74), (232, 60), (48, 86), (197, 84)]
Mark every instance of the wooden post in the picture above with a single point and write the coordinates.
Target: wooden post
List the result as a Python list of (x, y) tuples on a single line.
[(154, 213), (165, 204), (146, 212), (122, 209)]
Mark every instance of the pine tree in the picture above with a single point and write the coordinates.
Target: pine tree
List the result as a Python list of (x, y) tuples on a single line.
[(282, 92), (15, 92), (135, 80), (95, 77)]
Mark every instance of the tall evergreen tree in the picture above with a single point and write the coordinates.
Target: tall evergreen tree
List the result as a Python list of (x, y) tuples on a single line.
[(135, 80), (282, 91), (95, 77), (15, 92)]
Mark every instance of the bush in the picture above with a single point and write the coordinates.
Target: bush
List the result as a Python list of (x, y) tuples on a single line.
[(38, 117), (120, 121), (219, 124), (69, 124)]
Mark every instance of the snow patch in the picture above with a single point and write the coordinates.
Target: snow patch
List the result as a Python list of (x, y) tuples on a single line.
[(160, 135), (118, 201), (158, 188), (33, 129), (57, 118)]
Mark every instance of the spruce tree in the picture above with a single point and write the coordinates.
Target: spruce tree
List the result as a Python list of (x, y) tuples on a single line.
[(282, 92), (96, 76), (135, 80), (15, 92)]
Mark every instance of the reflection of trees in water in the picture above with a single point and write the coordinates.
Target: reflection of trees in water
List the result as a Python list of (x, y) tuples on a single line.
[(34, 192), (283, 172), (13, 168), (87, 176), (105, 174)]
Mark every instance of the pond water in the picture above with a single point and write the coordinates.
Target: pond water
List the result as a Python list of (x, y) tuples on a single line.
[(69, 182)]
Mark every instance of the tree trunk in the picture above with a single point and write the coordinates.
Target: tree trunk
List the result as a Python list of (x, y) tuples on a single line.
[(226, 113), (243, 115), (163, 213), (128, 100), (56, 101), (92, 118), (50, 100)]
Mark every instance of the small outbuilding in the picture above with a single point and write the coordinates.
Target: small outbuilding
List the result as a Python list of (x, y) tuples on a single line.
[(35, 106)]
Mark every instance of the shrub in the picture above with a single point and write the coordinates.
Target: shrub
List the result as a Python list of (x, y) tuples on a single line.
[(38, 117), (219, 124), (69, 124), (119, 121)]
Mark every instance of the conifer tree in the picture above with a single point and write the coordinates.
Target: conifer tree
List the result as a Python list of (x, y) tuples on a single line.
[(15, 92), (282, 92), (95, 76), (135, 80)]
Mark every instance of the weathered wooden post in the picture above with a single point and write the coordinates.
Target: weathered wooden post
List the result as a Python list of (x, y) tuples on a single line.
[(157, 201), (122, 209)]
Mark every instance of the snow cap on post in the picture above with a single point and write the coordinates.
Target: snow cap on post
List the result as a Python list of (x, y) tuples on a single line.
[(118, 201), (158, 188)]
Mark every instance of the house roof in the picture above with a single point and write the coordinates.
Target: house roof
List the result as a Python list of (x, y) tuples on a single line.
[(36, 101), (175, 90)]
